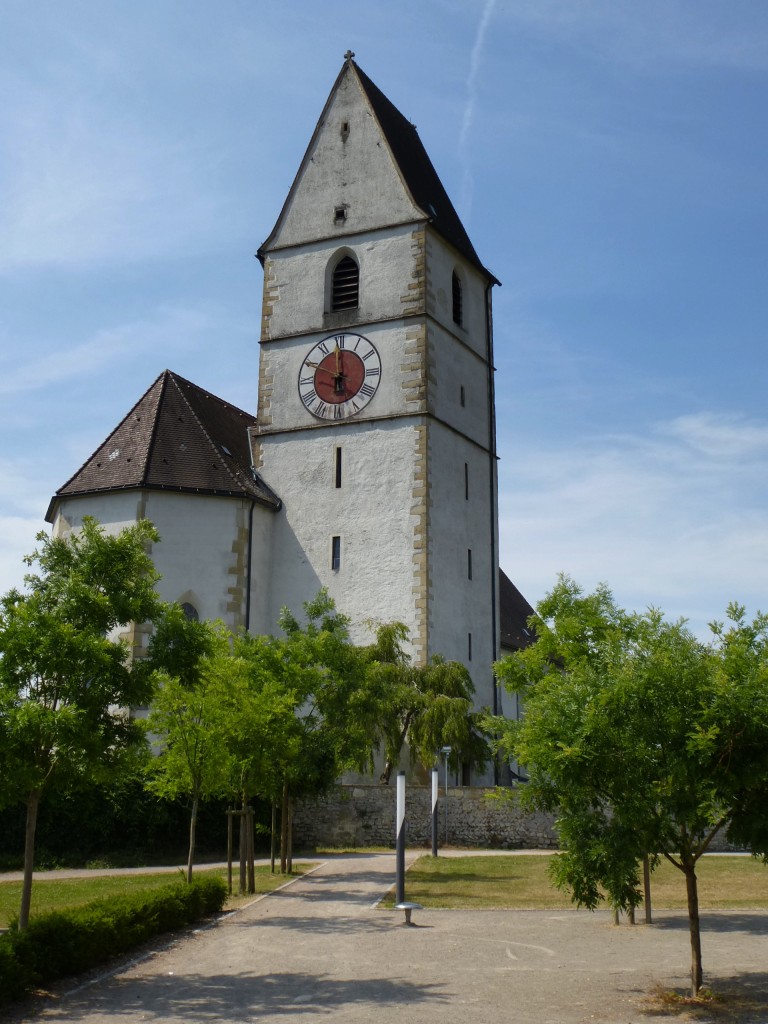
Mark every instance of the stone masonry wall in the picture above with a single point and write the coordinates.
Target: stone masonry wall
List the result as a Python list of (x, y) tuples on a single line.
[(365, 816)]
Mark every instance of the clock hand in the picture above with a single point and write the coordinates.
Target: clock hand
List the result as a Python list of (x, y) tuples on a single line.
[(325, 370)]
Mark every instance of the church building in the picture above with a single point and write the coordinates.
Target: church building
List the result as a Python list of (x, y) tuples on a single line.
[(369, 467)]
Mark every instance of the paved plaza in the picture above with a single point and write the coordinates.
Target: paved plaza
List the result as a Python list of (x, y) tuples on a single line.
[(320, 950)]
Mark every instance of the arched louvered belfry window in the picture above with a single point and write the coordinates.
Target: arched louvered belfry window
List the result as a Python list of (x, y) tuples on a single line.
[(458, 309), (345, 285)]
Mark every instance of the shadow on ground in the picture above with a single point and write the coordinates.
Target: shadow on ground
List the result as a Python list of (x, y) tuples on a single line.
[(245, 996), (724, 921)]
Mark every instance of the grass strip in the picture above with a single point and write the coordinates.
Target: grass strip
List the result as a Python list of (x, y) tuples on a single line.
[(523, 883), (65, 893)]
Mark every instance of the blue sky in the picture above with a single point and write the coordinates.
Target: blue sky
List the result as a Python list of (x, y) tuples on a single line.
[(609, 159)]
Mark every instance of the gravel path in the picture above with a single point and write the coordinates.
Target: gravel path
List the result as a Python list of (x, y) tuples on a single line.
[(319, 950)]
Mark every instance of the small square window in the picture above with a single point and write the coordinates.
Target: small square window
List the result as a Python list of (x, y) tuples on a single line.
[(339, 215)]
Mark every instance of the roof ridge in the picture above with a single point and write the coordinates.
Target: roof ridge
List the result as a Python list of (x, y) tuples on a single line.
[(202, 426), (112, 433), (153, 435)]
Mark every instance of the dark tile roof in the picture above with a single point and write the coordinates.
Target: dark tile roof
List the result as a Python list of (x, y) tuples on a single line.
[(514, 612), (417, 170), (177, 437)]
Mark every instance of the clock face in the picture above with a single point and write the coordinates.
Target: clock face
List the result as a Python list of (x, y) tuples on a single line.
[(339, 376)]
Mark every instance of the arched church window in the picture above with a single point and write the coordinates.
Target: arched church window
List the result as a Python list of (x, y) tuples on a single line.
[(190, 612), (458, 310), (345, 285)]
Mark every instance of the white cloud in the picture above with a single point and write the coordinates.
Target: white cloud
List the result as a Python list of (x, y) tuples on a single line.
[(656, 31), (17, 539), (108, 347), (720, 436), (85, 182), (674, 519), (469, 109)]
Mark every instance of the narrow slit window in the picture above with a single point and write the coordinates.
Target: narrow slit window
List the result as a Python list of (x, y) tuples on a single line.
[(335, 553), (345, 287), (466, 481), (469, 647), (469, 563), (337, 468), (458, 310), (462, 397)]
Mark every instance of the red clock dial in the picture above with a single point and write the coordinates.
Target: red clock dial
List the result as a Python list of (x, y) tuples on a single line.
[(339, 376)]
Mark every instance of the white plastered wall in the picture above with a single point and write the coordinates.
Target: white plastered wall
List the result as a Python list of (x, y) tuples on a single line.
[(356, 173), (202, 553), (370, 512), (387, 261)]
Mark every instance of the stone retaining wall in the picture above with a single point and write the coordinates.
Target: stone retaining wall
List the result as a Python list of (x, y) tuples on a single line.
[(365, 816)]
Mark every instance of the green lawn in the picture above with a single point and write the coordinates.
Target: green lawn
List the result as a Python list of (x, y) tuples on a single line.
[(522, 882), (74, 892)]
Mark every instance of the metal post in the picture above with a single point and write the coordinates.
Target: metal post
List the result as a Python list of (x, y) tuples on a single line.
[(400, 840), (446, 752), (434, 811)]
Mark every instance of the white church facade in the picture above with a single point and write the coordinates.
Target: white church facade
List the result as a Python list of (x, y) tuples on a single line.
[(369, 467)]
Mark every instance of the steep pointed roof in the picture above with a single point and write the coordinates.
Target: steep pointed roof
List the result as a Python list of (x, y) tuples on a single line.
[(413, 164), (417, 170), (177, 437), (514, 613)]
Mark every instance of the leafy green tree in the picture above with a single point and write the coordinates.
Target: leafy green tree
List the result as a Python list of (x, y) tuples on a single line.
[(423, 706), (322, 678), (641, 739), (64, 674), (191, 714)]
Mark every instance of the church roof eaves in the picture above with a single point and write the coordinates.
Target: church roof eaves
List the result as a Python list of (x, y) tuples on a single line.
[(177, 437)]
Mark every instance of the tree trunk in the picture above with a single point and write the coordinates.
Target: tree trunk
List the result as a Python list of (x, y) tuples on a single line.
[(272, 836), (243, 849), (289, 838), (692, 890), (192, 831), (647, 888), (284, 829), (33, 802)]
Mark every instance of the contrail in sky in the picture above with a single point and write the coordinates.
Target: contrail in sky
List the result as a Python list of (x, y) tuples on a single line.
[(469, 110)]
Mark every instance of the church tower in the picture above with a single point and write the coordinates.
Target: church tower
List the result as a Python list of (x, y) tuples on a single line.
[(375, 419)]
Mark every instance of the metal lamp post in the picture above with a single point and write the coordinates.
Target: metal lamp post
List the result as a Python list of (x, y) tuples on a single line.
[(446, 752)]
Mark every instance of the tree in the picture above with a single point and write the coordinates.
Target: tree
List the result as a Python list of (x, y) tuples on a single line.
[(66, 680), (191, 712), (423, 706), (641, 739), (334, 707)]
